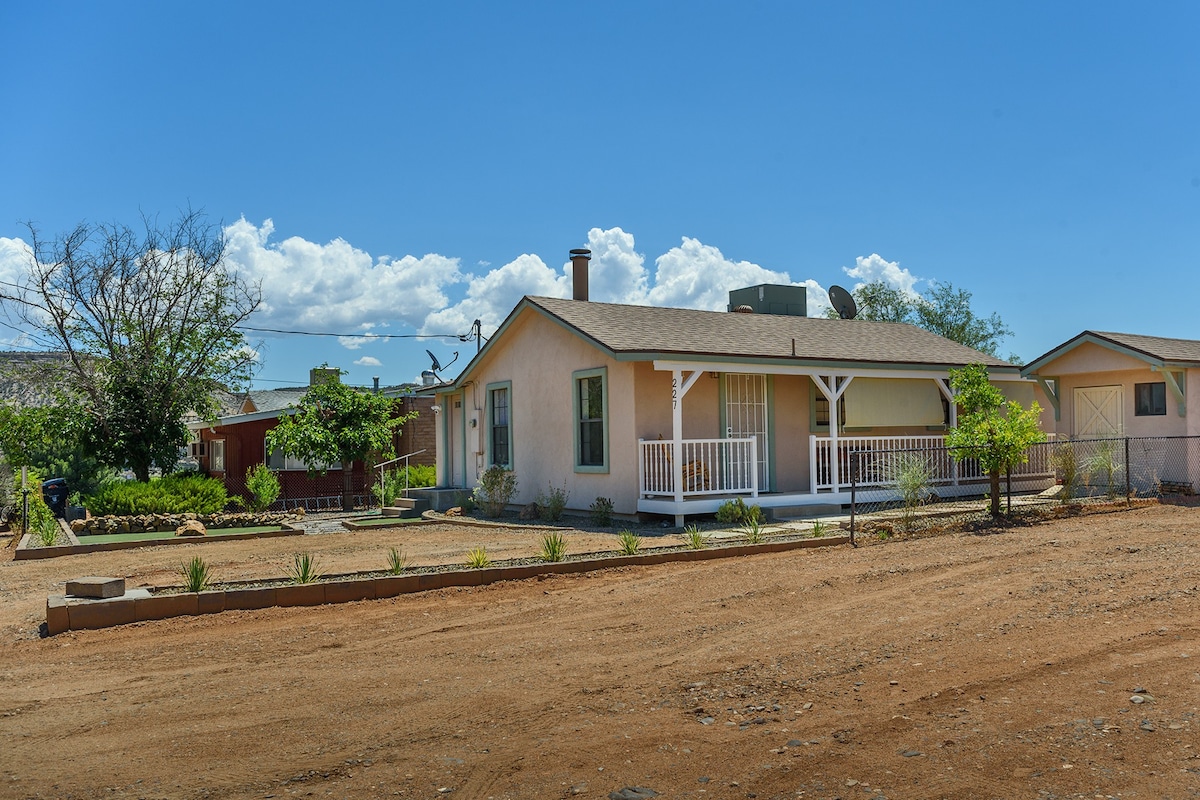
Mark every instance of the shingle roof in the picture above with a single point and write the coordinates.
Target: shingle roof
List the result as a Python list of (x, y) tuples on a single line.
[(1155, 346), (684, 332)]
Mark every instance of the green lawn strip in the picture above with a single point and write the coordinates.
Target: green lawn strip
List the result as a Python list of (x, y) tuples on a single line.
[(384, 522), (150, 536)]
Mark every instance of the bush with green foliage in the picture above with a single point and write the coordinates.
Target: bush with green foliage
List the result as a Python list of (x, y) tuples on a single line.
[(910, 477), (736, 512), (172, 494), (42, 523), (419, 476), (554, 547), (263, 486), (496, 489), (304, 569), (602, 511), (1066, 467), (693, 539), (477, 558), (552, 502), (629, 542)]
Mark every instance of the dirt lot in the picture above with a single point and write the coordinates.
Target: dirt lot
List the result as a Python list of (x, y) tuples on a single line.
[(963, 666)]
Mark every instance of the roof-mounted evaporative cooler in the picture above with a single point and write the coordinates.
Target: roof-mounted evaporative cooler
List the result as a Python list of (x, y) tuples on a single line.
[(771, 298)]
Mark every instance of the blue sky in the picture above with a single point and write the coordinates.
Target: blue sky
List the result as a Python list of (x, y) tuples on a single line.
[(405, 168)]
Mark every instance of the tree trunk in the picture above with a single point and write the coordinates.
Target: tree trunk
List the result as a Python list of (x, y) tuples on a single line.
[(994, 475), (348, 486)]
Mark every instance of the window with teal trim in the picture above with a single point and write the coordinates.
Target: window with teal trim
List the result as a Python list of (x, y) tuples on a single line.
[(590, 394), (500, 427)]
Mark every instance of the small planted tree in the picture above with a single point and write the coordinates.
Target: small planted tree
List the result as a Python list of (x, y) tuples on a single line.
[(996, 433), (335, 423), (263, 486)]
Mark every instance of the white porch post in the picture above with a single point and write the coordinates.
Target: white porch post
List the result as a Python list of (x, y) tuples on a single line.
[(679, 388), (944, 387), (833, 391)]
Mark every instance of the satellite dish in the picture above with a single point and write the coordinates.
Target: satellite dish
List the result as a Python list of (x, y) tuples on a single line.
[(437, 365), (842, 302)]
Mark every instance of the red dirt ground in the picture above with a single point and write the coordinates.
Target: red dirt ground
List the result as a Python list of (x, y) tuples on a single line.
[(995, 665)]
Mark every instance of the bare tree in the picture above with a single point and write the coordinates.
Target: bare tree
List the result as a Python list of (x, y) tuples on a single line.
[(149, 325)]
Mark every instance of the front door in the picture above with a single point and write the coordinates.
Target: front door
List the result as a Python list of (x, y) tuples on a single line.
[(1099, 411), (746, 416)]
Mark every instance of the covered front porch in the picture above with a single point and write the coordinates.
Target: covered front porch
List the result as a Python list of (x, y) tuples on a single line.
[(681, 476)]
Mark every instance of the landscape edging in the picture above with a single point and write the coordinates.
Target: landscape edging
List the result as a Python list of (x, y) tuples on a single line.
[(25, 552), (97, 614)]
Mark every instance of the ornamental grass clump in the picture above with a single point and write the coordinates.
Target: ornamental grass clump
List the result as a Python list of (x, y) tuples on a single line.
[(554, 547), (397, 562), (304, 569), (752, 531), (694, 539), (629, 542), (197, 575), (477, 558)]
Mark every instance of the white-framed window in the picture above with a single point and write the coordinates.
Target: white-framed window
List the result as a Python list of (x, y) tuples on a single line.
[(216, 455), (278, 462)]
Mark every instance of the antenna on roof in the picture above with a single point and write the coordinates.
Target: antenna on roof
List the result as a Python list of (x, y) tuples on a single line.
[(437, 365), (842, 302)]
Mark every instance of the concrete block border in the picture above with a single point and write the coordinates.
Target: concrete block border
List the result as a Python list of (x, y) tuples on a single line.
[(26, 550), (70, 613)]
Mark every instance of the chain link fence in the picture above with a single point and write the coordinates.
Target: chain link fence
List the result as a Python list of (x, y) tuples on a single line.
[(912, 489)]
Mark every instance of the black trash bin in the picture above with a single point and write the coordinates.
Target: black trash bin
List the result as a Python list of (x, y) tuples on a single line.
[(55, 493)]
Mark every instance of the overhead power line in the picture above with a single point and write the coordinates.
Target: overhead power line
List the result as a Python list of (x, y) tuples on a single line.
[(360, 335)]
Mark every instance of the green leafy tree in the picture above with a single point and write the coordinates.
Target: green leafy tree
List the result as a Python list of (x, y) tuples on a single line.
[(335, 423), (943, 309), (52, 440), (996, 433), (148, 322)]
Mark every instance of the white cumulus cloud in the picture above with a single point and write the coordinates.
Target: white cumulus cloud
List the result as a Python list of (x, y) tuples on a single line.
[(491, 296), (875, 267), (335, 286), (368, 361), (697, 275)]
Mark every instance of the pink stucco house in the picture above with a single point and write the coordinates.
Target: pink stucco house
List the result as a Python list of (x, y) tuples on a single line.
[(672, 411)]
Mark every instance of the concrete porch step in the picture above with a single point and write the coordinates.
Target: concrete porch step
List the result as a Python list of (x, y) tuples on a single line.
[(406, 508)]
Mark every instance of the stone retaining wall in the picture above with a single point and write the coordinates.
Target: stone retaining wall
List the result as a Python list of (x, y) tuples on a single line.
[(151, 523)]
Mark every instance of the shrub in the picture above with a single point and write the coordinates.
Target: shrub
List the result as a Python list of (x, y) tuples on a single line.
[(819, 529), (42, 523), (419, 476), (736, 512), (629, 542), (172, 494), (264, 487), (910, 478), (304, 569), (694, 539), (552, 503), (477, 558), (496, 489), (196, 575), (397, 562), (554, 547), (1066, 465), (602, 511), (464, 501)]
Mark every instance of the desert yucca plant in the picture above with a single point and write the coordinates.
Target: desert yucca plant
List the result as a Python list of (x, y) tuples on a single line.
[(197, 575), (629, 542), (397, 562), (752, 530), (477, 558), (304, 569), (694, 539), (554, 547)]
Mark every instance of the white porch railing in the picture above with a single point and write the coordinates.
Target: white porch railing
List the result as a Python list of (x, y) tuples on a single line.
[(709, 467), (877, 457)]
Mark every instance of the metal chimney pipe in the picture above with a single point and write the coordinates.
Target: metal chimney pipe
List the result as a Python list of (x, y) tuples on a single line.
[(579, 273)]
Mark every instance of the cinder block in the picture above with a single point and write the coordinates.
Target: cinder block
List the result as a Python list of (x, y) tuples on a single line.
[(248, 599), (93, 586), (349, 591), (521, 573), (165, 606), (94, 614), (433, 580), (210, 602), (300, 594), (57, 619)]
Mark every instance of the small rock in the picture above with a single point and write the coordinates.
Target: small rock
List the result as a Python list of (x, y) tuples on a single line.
[(794, 743), (579, 788), (1137, 699), (807, 706), (1147, 725), (531, 511), (703, 779), (632, 793), (707, 720), (912, 753), (454, 512)]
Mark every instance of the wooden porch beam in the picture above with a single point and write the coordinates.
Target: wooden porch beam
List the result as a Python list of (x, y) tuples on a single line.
[(1051, 394), (1176, 381)]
